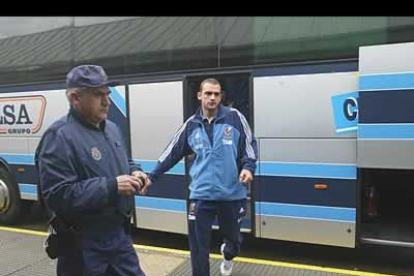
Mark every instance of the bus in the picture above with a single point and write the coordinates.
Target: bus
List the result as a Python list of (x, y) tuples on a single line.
[(328, 100)]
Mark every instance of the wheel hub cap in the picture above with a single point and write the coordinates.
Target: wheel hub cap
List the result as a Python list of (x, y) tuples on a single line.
[(4, 197)]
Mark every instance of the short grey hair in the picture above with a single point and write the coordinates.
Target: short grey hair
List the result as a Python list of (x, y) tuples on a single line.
[(71, 91)]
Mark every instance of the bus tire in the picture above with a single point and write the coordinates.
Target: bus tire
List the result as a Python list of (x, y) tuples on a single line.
[(11, 205)]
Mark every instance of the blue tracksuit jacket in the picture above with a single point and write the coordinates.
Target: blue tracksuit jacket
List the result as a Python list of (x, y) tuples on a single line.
[(222, 149), (78, 165)]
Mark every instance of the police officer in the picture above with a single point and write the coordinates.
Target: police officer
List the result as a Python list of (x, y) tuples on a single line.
[(88, 181), (225, 161)]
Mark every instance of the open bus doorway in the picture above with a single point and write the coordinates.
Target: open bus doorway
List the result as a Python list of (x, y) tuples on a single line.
[(236, 88), (386, 213), (237, 94)]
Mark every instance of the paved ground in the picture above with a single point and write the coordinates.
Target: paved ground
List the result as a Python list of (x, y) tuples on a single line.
[(22, 254)]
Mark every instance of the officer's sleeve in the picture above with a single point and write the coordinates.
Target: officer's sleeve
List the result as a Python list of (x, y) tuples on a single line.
[(248, 145), (173, 153), (61, 187), (133, 166)]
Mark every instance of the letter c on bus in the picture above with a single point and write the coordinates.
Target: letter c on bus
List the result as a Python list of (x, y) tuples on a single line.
[(350, 109)]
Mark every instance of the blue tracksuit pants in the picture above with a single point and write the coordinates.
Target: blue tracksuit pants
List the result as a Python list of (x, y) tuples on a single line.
[(103, 254), (201, 216)]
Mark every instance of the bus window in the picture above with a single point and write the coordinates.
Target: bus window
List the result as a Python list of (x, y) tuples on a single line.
[(236, 93)]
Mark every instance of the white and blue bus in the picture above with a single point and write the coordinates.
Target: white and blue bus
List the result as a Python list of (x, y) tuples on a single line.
[(329, 100)]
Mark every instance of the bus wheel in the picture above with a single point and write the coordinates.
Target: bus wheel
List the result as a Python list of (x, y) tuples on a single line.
[(10, 202)]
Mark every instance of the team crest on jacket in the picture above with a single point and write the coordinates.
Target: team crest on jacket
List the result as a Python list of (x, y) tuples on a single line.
[(227, 130), (96, 154)]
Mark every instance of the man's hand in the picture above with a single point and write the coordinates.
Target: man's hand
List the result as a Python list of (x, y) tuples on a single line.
[(146, 181), (144, 189), (245, 177), (128, 185)]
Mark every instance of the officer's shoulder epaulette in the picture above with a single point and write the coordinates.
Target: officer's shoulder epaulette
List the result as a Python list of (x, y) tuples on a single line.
[(54, 127)]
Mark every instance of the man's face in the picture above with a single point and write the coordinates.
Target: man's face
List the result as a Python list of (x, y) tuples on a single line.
[(210, 96), (94, 104)]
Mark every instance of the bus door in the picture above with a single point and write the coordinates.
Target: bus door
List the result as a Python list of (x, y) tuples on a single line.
[(306, 184), (386, 143), (156, 113), (236, 89)]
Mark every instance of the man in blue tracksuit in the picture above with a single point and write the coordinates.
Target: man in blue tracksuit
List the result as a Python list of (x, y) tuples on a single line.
[(225, 161), (88, 181)]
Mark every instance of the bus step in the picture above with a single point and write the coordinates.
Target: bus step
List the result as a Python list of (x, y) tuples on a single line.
[(386, 242)]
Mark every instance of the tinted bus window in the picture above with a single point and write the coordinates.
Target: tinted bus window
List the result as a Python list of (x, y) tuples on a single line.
[(263, 40), (43, 49)]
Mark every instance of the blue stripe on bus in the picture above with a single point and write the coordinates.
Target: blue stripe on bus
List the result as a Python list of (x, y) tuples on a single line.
[(170, 186), (30, 174), (306, 211), (116, 116), (301, 191), (386, 107), (28, 188), (13, 158), (118, 100), (386, 131), (314, 170), (148, 165), (386, 81), (164, 204), (346, 171)]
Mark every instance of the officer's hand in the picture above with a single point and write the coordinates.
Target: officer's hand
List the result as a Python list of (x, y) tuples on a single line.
[(128, 185), (245, 177)]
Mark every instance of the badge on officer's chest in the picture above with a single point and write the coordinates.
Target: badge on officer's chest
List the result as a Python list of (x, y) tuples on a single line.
[(96, 154)]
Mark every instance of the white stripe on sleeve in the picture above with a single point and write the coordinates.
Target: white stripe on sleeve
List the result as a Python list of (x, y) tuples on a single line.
[(174, 141), (248, 132)]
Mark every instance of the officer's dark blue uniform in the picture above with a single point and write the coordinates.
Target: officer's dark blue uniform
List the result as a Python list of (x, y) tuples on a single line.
[(223, 148), (78, 165)]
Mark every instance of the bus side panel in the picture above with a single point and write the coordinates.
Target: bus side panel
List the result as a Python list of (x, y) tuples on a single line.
[(156, 113), (386, 127), (306, 183), (17, 147)]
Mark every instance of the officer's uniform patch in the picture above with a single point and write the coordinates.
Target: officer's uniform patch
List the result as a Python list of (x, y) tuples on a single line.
[(96, 154)]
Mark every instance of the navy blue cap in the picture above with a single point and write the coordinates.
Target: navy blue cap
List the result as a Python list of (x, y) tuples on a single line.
[(88, 76)]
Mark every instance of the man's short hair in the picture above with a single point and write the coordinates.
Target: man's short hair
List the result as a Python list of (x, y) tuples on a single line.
[(209, 80)]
